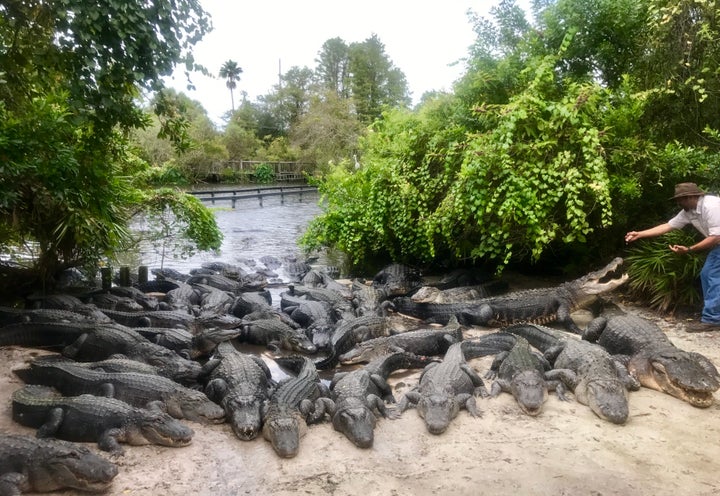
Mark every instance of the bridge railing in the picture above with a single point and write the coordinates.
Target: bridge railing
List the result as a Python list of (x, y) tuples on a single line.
[(233, 195)]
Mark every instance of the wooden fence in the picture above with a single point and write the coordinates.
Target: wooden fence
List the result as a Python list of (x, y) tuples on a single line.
[(284, 171)]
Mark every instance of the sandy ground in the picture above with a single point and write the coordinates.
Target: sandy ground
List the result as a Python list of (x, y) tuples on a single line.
[(666, 447)]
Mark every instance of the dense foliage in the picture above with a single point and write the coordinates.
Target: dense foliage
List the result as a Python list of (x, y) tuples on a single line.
[(564, 133), (72, 72)]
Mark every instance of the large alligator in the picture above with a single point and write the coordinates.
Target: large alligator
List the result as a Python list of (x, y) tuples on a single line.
[(540, 306), (397, 279), (352, 331), (275, 332), (155, 318), (459, 294), (241, 384), (517, 369), (185, 343), (444, 389), (341, 306), (89, 418), (297, 401), (361, 393), (424, 342), (136, 389), (587, 369), (654, 360), (367, 299), (91, 342), (317, 317), (44, 465)]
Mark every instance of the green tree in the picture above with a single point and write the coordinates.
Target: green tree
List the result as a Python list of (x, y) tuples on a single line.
[(329, 131), (332, 67), (230, 71), (376, 84), (73, 73)]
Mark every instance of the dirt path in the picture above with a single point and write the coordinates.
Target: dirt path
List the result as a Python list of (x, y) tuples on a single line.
[(667, 447)]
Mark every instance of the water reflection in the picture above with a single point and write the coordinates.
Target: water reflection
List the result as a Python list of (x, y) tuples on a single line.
[(250, 232)]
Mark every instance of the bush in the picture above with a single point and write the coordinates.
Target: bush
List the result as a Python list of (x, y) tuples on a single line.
[(264, 174), (662, 279)]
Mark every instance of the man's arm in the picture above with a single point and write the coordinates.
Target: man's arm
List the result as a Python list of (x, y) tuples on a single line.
[(648, 233), (706, 244)]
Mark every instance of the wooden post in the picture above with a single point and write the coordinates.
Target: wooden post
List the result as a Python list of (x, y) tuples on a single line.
[(143, 274), (106, 277), (125, 276)]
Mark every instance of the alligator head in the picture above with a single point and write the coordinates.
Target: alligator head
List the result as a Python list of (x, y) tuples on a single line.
[(438, 409), (169, 363), (155, 427), (678, 373), (354, 419), (529, 390), (71, 465), (284, 429), (607, 398), (299, 342), (196, 406), (244, 414), (362, 352), (600, 281)]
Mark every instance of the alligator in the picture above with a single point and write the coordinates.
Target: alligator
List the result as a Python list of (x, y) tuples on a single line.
[(90, 342), (90, 418), (44, 465), (444, 388), (187, 344), (183, 298), (109, 301), (114, 364), (540, 305), (350, 332), (595, 377), (315, 316), (517, 369), (654, 360), (366, 298), (154, 318), (424, 342), (320, 279), (359, 394), (217, 281), (148, 302), (341, 306), (86, 314), (397, 279), (459, 294), (241, 384), (296, 401), (136, 389), (213, 300), (276, 333), (246, 303)]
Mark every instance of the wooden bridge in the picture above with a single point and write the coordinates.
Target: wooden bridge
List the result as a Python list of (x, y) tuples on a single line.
[(233, 195)]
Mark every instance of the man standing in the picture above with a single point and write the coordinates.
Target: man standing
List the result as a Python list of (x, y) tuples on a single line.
[(703, 212)]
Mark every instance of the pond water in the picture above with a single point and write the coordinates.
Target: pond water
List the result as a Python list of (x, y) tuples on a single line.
[(251, 230)]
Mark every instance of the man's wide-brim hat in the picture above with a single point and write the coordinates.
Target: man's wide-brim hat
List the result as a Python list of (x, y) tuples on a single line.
[(687, 189)]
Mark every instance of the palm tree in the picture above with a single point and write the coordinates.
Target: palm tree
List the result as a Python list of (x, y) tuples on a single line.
[(231, 72)]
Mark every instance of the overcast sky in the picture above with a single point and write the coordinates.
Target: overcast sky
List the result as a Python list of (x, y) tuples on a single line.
[(422, 38)]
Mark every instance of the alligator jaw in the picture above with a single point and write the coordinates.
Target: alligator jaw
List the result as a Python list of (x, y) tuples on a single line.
[(530, 391), (604, 280), (696, 387), (606, 398), (357, 423), (437, 409)]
